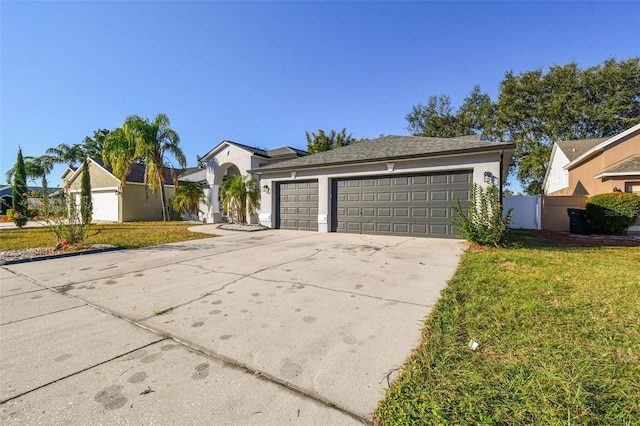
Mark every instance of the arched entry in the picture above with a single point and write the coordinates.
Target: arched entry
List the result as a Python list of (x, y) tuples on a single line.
[(221, 174)]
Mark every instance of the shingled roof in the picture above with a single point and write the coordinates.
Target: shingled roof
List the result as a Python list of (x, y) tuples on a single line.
[(388, 148), (283, 152), (136, 175), (575, 148), (628, 167)]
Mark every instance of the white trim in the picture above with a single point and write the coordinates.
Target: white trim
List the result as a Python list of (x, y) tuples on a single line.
[(142, 183), (615, 174), (601, 146)]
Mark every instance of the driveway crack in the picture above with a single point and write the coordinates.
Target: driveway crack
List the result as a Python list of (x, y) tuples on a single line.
[(240, 276)]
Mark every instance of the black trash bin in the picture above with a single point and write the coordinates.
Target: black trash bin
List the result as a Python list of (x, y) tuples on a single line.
[(578, 221)]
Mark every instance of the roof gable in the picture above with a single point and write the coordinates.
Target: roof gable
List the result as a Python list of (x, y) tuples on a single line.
[(575, 148), (136, 174), (602, 146), (250, 149)]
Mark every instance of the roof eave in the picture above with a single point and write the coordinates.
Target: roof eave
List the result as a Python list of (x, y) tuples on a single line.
[(492, 148), (615, 174), (215, 150), (601, 147)]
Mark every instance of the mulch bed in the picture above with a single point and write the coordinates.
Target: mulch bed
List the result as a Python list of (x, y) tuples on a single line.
[(590, 240)]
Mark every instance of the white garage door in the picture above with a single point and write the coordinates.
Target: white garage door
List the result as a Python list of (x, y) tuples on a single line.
[(105, 206)]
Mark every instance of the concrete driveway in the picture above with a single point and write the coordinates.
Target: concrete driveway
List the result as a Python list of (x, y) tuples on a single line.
[(248, 328)]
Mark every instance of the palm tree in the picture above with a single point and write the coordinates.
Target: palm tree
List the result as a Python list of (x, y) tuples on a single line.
[(240, 194), (188, 196), (119, 153), (65, 154), (149, 142)]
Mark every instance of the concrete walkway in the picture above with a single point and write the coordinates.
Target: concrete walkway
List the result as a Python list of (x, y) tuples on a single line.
[(249, 328)]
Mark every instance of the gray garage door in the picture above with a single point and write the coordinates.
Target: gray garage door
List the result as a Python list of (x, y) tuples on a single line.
[(415, 205), (298, 205)]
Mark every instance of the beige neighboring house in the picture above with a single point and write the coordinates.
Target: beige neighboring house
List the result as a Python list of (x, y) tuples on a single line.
[(114, 201), (579, 169), (595, 166)]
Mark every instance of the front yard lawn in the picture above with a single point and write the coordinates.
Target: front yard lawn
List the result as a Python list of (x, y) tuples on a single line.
[(558, 329), (127, 235)]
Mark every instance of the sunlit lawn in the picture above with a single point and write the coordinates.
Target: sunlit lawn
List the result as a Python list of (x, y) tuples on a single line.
[(558, 329), (127, 235)]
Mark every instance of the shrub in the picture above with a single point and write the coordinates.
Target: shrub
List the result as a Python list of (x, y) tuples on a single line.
[(483, 224), (612, 213), (65, 221)]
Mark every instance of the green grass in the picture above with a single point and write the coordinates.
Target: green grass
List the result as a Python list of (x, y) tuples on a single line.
[(127, 235), (559, 334)]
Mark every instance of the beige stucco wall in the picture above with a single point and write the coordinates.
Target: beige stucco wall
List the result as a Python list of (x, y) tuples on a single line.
[(136, 206), (100, 179), (554, 215), (581, 178), (479, 163)]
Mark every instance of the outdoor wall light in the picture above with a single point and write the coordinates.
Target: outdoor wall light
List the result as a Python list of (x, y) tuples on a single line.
[(266, 189), (391, 167), (293, 174), (488, 177)]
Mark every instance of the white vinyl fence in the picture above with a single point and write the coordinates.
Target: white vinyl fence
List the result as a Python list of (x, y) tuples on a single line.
[(526, 211)]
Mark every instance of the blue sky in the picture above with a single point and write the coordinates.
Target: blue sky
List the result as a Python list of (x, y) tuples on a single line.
[(263, 73)]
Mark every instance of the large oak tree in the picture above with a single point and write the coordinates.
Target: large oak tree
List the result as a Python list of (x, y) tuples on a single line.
[(536, 108)]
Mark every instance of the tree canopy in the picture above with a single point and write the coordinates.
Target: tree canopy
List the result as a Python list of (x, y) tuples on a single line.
[(536, 108), (324, 142), (92, 146)]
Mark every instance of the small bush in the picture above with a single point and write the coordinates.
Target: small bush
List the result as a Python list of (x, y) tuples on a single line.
[(484, 223), (612, 214)]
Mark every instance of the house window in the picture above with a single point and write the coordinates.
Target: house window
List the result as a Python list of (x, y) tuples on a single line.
[(632, 187)]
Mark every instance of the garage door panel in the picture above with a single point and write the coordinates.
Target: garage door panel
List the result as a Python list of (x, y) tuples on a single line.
[(419, 228), (401, 196), (419, 196), (441, 213), (404, 205), (298, 207), (384, 196), (461, 178), (438, 229), (439, 195), (418, 212)]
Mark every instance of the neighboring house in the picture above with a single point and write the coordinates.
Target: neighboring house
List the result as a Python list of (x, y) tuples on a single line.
[(582, 168), (114, 201), (394, 185), (229, 158), (595, 166), (6, 197)]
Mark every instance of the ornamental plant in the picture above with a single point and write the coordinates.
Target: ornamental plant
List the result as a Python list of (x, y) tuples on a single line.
[(64, 219), (612, 213), (86, 206), (482, 222), (19, 193)]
